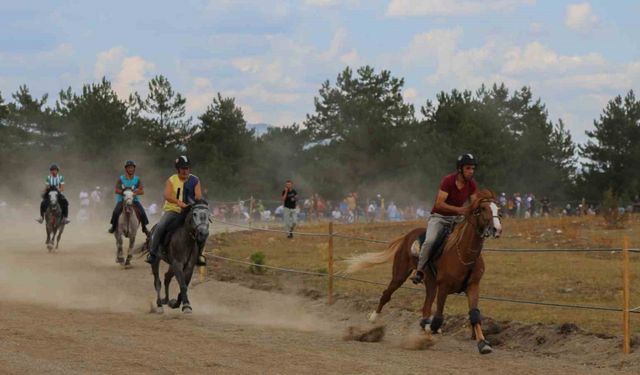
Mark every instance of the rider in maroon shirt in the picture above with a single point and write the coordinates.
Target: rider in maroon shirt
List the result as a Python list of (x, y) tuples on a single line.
[(455, 189)]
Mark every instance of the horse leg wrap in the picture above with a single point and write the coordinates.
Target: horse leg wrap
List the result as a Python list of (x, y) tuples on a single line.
[(474, 317), (424, 322), (436, 323)]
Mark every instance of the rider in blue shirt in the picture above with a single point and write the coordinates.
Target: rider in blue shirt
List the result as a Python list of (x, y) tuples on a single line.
[(130, 181)]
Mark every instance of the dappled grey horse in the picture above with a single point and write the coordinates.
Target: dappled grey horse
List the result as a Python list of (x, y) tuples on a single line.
[(53, 219), (181, 252), (128, 224)]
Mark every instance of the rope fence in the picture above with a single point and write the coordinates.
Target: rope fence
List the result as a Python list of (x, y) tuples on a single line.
[(489, 298), (487, 249), (625, 250)]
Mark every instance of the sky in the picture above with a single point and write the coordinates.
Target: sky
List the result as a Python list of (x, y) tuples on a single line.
[(273, 56)]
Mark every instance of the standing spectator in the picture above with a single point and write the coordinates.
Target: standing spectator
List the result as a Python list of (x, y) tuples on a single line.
[(502, 200), (380, 206), (518, 202), (392, 212), (371, 212), (289, 198), (83, 213), (545, 206), (335, 214), (350, 200), (153, 209), (96, 202)]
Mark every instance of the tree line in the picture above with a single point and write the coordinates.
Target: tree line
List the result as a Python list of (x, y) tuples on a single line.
[(363, 136)]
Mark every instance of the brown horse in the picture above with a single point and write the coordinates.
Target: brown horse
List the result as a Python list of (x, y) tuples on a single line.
[(458, 269)]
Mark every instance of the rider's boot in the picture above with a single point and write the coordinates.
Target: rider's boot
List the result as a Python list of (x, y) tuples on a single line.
[(418, 278), (40, 220), (152, 257), (66, 220), (112, 229), (144, 230)]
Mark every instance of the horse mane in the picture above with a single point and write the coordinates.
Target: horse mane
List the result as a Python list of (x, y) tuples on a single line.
[(480, 195)]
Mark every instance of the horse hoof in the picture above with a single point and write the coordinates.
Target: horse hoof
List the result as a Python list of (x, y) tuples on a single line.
[(424, 322), (186, 309), (484, 347), (173, 303), (165, 301), (373, 317), (119, 260)]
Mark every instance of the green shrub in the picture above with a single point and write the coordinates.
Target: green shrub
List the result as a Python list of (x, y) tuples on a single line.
[(258, 259)]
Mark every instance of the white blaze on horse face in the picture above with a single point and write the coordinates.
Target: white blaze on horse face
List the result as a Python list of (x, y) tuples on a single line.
[(496, 219), (128, 196), (53, 197)]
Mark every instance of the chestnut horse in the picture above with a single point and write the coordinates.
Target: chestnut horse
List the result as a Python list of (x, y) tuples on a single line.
[(458, 269)]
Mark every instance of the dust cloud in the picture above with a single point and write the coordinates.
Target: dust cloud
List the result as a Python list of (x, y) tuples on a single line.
[(82, 274)]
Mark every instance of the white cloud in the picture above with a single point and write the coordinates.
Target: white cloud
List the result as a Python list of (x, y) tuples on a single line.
[(321, 3), (536, 27), (259, 92), (108, 62), (337, 43), (439, 43), (535, 57), (200, 96), (60, 54), (580, 17), (128, 73), (410, 94), (412, 8), (247, 64), (350, 58), (132, 75), (437, 50)]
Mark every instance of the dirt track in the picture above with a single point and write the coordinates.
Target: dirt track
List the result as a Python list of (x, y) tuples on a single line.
[(76, 312)]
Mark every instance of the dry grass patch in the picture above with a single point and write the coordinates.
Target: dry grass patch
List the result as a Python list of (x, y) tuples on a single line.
[(566, 278)]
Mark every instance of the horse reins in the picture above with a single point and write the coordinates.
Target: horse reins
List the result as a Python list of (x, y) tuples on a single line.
[(476, 213)]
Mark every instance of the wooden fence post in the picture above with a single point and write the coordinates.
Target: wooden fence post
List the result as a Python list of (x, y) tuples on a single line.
[(330, 268), (626, 344)]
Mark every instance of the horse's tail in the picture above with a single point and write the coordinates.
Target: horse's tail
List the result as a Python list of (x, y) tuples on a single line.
[(368, 260), (142, 249)]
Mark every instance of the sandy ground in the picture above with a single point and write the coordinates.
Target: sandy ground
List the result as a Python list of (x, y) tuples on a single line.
[(74, 311)]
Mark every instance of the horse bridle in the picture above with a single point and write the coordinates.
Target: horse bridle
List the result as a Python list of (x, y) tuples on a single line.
[(195, 229), (478, 210)]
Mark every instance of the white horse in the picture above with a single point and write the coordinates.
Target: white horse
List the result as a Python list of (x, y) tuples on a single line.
[(128, 224)]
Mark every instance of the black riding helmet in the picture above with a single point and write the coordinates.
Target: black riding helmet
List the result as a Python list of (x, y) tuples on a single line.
[(465, 159), (129, 163), (53, 166), (182, 162)]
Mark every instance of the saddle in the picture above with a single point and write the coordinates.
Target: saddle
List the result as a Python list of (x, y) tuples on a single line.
[(438, 244)]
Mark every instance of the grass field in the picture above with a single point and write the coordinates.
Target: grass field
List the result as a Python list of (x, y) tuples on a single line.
[(566, 278)]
